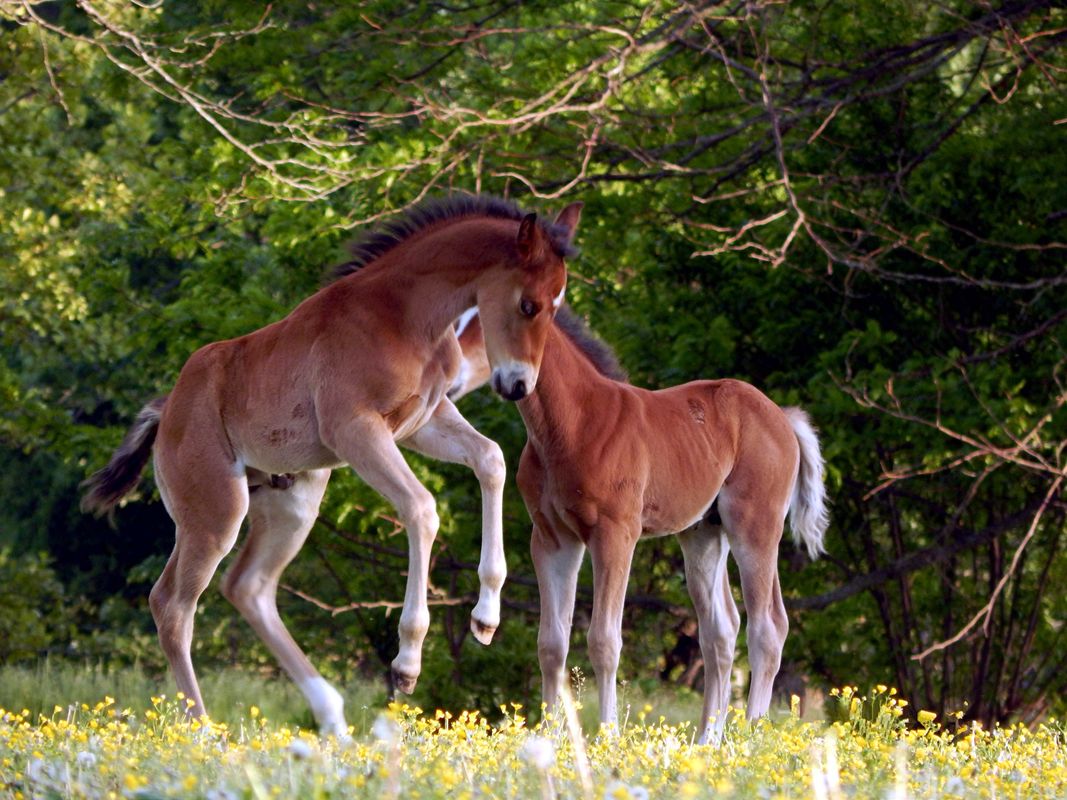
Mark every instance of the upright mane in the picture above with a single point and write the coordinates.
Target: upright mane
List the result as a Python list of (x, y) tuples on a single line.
[(600, 355), (379, 241)]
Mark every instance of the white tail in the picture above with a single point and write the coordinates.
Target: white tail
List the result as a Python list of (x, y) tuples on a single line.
[(808, 515)]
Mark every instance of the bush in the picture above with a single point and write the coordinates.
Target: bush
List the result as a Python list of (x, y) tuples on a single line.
[(35, 617)]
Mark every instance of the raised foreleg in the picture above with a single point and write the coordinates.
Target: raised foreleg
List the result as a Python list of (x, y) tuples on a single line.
[(367, 444), (449, 437)]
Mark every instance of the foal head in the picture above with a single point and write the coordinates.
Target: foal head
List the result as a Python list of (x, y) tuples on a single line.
[(518, 304)]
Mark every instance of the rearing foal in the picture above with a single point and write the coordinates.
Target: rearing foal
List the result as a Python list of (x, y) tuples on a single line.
[(607, 463), (355, 369)]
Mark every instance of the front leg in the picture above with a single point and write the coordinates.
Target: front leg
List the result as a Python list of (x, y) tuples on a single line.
[(367, 444), (557, 558), (449, 437), (611, 549)]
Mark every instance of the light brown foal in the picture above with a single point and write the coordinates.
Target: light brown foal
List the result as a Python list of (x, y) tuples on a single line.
[(607, 463), (254, 425)]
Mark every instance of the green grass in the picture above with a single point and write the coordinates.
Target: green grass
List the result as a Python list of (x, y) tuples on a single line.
[(229, 693)]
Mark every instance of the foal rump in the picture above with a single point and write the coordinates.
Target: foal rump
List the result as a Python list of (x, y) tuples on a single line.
[(107, 486)]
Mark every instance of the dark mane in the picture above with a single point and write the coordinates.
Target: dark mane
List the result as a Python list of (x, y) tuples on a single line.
[(384, 238), (601, 356)]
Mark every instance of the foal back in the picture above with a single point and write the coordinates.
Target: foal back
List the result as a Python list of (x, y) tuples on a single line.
[(714, 440)]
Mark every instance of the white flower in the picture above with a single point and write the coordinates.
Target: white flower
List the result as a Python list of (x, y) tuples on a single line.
[(670, 746), (955, 785), (85, 759), (298, 748), (37, 771), (617, 790), (538, 752), (386, 730), (220, 793)]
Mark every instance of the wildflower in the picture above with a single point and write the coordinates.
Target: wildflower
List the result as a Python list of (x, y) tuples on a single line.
[(37, 770), (926, 717), (955, 785), (617, 790), (538, 752), (85, 759), (386, 730), (298, 748)]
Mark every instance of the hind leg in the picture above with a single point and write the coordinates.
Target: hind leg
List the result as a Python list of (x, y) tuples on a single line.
[(207, 505), (755, 530), (705, 550), (279, 523)]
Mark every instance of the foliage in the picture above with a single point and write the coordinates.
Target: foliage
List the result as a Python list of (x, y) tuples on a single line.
[(91, 751), (35, 609)]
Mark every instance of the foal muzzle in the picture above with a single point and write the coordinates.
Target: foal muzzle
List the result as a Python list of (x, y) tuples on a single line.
[(514, 381)]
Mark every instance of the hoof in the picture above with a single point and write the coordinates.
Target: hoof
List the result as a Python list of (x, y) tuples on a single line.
[(483, 633), (404, 683)]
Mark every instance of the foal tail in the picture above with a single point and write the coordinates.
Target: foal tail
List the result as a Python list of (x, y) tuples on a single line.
[(808, 515), (112, 483)]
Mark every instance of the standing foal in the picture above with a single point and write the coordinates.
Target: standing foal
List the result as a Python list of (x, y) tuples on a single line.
[(356, 369), (607, 463)]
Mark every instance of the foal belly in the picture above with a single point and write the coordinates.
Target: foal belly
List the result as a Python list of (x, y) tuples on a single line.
[(676, 511), (281, 448)]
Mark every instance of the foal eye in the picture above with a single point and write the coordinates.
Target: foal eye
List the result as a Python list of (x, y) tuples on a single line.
[(528, 308)]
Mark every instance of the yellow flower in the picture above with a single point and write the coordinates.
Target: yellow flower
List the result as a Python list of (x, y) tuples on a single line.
[(133, 783), (926, 717)]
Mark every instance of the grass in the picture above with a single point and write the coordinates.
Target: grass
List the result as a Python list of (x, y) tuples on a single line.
[(108, 750), (228, 693)]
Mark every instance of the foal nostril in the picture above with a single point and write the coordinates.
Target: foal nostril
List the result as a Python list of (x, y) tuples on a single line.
[(518, 391)]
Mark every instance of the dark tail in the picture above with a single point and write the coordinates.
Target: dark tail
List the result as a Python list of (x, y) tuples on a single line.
[(108, 486)]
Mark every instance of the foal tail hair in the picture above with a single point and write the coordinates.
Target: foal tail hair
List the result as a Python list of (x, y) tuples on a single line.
[(106, 487), (808, 514)]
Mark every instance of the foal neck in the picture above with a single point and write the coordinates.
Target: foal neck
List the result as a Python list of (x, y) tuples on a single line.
[(430, 279), (568, 388)]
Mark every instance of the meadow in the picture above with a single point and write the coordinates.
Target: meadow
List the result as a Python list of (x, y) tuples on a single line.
[(142, 746)]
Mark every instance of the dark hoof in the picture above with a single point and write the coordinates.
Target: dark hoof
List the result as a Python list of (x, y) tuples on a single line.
[(404, 683), (483, 633)]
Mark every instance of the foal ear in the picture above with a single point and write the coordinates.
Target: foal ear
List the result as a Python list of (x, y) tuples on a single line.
[(531, 242), (568, 219)]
